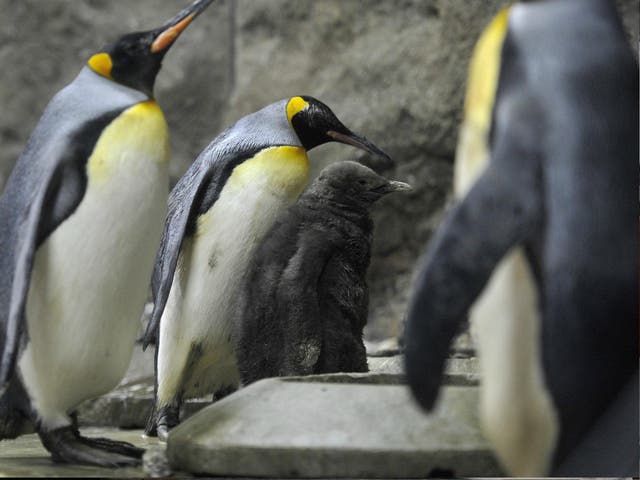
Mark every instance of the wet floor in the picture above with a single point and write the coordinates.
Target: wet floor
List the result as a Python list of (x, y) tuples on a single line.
[(26, 457)]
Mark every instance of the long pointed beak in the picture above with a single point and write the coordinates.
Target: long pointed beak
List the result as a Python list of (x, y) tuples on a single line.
[(174, 27), (359, 142)]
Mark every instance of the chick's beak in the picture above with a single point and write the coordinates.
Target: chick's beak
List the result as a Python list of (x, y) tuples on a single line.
[(359, 142), (174, 27), (392, 186), (395, 186)]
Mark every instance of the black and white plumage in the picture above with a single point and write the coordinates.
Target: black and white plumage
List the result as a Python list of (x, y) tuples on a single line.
[(304, 302), (80, 218), (542, 248), (219, 211)]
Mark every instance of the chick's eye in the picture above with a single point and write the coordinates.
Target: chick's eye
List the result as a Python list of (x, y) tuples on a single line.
[(362, 182)]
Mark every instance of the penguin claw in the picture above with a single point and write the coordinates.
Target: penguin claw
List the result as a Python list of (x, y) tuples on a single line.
[(163, 432), (167, 418), (114, 446), (67, 446)]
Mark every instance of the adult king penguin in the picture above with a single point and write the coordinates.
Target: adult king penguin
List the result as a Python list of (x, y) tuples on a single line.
[(544, 241), (80, 220), (304, 303), (218, 212)]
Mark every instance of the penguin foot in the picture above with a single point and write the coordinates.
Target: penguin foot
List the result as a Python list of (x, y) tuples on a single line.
[(115, 446), (66, 445), (167, 418)]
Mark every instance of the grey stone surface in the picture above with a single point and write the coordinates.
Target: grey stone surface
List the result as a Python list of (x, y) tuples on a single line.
[(383, 348), (155, 462), (128, 406), (458, 371), (280, 428), (394, 71), (463, 346), (462, 371)]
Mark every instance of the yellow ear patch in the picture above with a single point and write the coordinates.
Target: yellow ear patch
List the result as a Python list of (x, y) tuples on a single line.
[(101, 63), (295, 105)]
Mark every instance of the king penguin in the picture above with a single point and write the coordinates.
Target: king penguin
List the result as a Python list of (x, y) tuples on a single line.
[(305, 300), (80, 220), (541, 248), (218, 213)]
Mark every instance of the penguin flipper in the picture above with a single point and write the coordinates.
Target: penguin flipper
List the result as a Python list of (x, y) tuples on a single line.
[(194, 194), (500, 211), (181, 204), (57, 199), (298, 306)]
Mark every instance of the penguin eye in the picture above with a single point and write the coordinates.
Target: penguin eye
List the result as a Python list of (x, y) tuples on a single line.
[(362, 182)]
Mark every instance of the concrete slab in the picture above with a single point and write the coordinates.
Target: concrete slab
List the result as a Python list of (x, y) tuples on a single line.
[(459, 371), (307, 428), (128, 406)]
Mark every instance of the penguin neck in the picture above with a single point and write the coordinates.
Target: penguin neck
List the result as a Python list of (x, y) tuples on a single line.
[(354, 211)]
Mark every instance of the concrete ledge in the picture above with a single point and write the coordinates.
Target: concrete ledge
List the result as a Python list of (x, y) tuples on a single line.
[(128, 406), (458, 371), (307, 428)]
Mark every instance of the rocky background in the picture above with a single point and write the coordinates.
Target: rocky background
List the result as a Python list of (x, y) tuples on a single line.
[(391, 70)]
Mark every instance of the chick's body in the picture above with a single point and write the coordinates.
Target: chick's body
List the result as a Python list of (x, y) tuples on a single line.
[(305, 300)]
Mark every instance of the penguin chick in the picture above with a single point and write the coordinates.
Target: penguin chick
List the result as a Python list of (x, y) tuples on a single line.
[(219, 211), (305, 299), (542, 247), (80, 219)]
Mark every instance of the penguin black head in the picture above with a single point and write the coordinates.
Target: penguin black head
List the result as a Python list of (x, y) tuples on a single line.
[(315, 124), (135, 59), (352, 181)]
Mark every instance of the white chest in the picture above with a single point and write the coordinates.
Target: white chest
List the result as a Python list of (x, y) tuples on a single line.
[(91, 275), (250, 202)]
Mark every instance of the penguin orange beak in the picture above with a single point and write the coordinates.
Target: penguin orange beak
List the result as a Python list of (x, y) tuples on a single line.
[(172, 30)]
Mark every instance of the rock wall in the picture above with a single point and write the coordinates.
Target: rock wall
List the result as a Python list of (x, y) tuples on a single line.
[(391, 70)]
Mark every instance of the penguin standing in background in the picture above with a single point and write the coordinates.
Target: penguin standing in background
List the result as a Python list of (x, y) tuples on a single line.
[(544, 241), (80, 219), (218, 212), (305, 300)]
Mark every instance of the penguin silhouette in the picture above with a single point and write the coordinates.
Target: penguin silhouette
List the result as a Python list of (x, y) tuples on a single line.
[(219, 211), (80, 220), (542, 247)]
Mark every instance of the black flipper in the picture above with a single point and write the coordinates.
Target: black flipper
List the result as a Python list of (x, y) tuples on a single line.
[(16, 416), (167, 257), (298, 306), (500, 211), (192, 196), (57, 197)]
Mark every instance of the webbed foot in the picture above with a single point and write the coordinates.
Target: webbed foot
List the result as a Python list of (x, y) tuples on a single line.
[(66, 445), (167, 418)]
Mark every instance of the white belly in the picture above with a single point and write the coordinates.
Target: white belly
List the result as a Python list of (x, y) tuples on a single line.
[(204, 293), (516, 411), (90, 281), (517, 414)]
